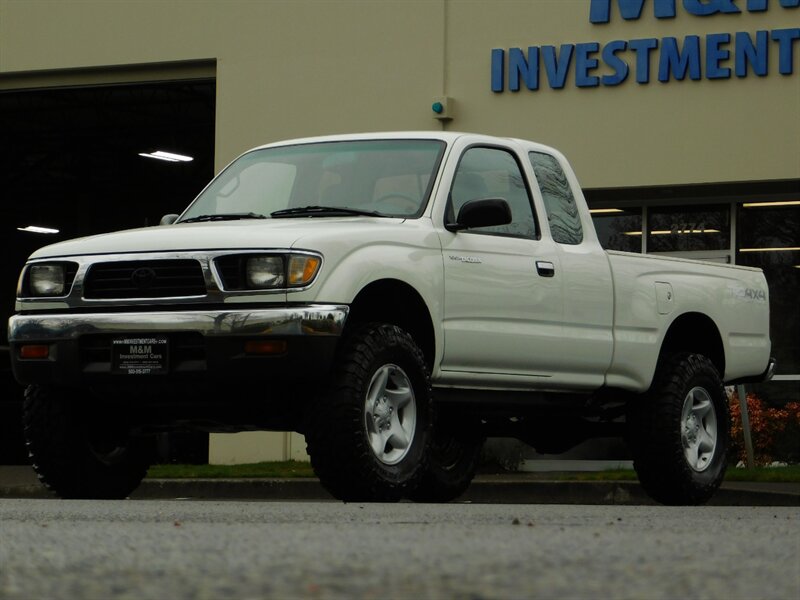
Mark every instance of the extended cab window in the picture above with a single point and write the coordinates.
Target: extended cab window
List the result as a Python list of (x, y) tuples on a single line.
[(562, 211), (493, 173)]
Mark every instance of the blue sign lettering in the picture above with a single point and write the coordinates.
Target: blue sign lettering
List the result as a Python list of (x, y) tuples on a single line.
[(519, 66), (676, 62), (715, 54), (642, 48), (705, 8), (786, 39), (584, 63), (556, 64), (755, 55), (600, 10), (619, 66), (610, 64)]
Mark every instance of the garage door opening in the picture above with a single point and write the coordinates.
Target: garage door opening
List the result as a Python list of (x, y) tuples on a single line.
[(83, 160)]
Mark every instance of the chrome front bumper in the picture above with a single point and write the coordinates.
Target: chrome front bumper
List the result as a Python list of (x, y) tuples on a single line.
[(312, 320), (79, 345)]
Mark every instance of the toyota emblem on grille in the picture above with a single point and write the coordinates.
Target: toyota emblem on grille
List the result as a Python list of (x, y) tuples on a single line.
[(143, 277)]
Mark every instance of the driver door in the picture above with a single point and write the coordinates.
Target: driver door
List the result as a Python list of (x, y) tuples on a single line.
[(502, 289)]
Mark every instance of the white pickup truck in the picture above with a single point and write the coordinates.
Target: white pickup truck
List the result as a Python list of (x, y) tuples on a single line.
[(396, 298)]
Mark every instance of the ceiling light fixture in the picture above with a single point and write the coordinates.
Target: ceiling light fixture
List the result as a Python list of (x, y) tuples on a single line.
[(792, 249), (167, 156), (37, 229), (764, 204), (603, 211)]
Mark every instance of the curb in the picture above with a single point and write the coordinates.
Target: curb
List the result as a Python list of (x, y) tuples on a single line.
[(495, 491)]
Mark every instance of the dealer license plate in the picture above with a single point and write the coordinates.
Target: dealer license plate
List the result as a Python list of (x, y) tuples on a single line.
[(140, 355)]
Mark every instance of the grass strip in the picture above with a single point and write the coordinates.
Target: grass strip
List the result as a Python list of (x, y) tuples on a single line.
[(282, 470), (789, 474), (292, 469)]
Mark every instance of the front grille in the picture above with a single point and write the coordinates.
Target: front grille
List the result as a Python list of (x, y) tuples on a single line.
[(145, 279), (232, 271)]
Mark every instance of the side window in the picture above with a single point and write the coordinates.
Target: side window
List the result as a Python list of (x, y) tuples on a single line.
[(493, 173), (562, 211)]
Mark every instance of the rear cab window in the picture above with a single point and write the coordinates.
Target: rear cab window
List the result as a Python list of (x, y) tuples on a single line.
[(559, 201)]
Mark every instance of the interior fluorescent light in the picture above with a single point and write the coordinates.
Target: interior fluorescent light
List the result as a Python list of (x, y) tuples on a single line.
[(167, 156), (781, 203), (670, 232), (602, 211), (37, 229), (792, 249)]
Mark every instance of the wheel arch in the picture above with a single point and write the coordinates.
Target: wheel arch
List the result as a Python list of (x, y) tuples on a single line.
[(697, 333), (398, 303)]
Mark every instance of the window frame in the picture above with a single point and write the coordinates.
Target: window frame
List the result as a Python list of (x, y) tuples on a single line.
[(528, 190)]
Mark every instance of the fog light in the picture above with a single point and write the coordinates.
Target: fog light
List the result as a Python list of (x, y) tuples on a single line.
[(265, 347), (34, 351)]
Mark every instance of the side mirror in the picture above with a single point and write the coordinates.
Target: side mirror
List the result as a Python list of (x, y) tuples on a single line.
[(487, 212), (168, 219)]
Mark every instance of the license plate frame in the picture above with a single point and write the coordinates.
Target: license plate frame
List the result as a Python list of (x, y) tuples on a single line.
[(140, 355)]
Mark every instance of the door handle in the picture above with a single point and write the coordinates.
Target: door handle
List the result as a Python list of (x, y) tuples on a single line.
[(545, 268)]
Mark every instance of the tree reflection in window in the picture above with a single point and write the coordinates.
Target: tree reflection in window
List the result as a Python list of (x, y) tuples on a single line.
[(562, 210)]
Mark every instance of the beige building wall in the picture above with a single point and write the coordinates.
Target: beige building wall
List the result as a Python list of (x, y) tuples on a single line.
[(307, 67)]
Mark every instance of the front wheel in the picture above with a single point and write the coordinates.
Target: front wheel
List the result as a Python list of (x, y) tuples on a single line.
[(368, 436), (79, 451), (679, 432)]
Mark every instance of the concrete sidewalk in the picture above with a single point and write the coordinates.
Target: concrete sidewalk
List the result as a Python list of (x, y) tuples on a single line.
[(507, 488)]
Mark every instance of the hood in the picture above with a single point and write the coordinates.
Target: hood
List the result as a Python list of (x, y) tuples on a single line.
[(269, 233)]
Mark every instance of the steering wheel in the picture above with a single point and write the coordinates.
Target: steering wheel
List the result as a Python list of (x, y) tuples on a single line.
[(407, 205)]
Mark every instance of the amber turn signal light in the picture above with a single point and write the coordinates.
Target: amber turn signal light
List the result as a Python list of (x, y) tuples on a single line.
[(265, 347), (34, 351)]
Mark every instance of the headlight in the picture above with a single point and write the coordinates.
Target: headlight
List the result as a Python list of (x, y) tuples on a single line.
[(47, 280), (264, 272), (240, 272)]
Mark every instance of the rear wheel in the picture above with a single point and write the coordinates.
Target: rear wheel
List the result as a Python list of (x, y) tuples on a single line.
[(454, 458), (368, 436), (679, 432), (76, 452)]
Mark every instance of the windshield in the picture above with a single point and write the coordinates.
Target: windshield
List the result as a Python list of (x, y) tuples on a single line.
[(384, 178)]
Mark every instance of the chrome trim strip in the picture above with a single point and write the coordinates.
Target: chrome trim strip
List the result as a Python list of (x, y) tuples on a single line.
[(311, 320)]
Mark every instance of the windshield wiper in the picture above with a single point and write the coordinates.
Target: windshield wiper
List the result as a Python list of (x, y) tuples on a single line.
[(223, 217), (323, 211)]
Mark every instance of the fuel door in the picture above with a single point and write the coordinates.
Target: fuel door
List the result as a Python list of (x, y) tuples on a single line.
[(665, 298)]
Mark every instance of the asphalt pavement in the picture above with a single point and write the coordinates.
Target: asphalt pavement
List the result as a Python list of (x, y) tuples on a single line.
[(210, 550), (505, 488)]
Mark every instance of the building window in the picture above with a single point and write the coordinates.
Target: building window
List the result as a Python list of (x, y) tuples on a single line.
[(688, 228), (619, 229), (768, 237)]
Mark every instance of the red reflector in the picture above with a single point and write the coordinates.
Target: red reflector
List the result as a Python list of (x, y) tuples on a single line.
[(265, 347), (38, 351)]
